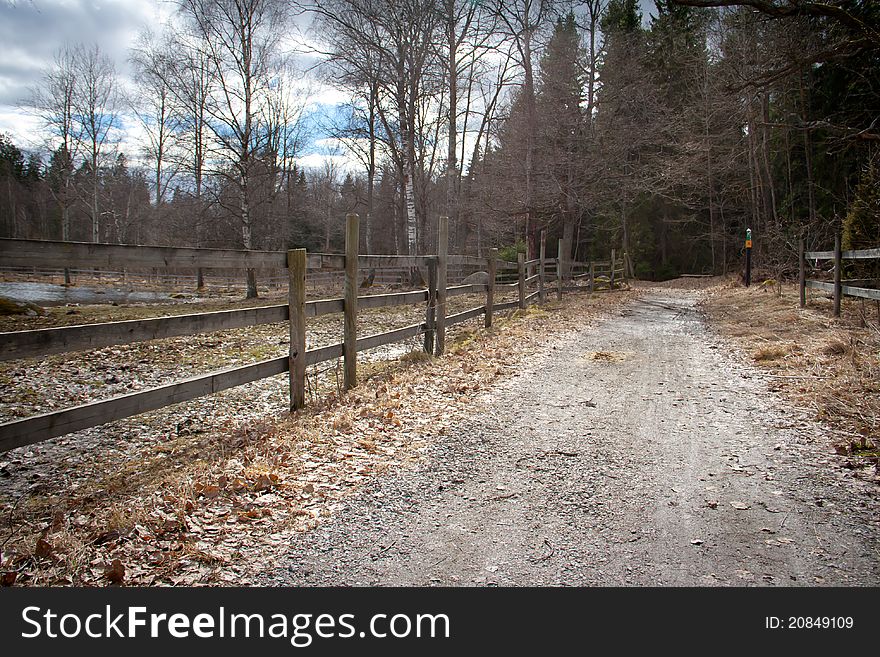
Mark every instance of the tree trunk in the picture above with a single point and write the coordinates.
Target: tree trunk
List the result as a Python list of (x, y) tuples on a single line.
[(251, 292), (452, 141)]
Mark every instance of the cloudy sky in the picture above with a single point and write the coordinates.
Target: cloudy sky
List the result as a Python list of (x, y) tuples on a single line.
[(32, 30)]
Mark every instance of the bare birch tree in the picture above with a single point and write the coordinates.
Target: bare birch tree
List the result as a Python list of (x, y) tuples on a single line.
[(156, 107), (95, 105), (241, 39)]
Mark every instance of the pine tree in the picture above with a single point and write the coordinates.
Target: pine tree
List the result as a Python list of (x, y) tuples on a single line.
[(560, 134)]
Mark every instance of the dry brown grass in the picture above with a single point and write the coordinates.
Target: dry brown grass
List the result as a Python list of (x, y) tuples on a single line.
[(831, 365), (770, 352)]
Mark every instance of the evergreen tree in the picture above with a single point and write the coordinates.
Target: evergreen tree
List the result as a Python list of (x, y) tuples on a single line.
[(561, 134)]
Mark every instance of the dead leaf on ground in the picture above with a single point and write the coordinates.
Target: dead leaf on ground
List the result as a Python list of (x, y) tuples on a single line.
[(115, 571), (44, 549)]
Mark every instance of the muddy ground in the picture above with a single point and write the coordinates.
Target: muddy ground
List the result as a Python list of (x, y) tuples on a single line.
[(639, 451)]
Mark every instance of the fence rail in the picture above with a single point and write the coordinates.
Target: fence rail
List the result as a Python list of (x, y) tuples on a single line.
[(42, 342), (837, 288)]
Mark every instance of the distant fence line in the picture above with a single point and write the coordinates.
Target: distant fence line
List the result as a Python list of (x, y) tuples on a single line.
[(299, 265), (836, 288), (276, 279)]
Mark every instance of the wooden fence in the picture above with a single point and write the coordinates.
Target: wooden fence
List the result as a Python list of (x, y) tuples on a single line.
[(42, 342), (838, 287)]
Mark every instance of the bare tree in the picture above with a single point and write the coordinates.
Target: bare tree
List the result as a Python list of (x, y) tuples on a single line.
[(53, 101), (467, 30), (241, 38), (95, 106), (399, 37), (522, 21), (155, 105), (192, 82)]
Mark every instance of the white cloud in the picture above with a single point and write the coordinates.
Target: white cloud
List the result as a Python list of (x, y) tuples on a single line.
[(344, 163), (31, 32)]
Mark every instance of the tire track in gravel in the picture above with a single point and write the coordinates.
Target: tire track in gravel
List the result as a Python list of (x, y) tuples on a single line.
[(637, 452)]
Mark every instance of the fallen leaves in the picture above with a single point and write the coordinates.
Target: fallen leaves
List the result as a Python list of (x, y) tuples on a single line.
[(115, 572)]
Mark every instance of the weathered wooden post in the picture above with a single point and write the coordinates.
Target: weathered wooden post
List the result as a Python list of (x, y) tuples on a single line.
[(521, 282), (442, 258), (349, 346), (296, 300), (802, 273), (490, 285), (559, 270), (623, 261), (592, 276), (748, 257), (838, 262), (430, 313), (613, 265), (541, 256)]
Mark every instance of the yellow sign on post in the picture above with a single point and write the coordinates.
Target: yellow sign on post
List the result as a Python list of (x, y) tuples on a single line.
[(748, 244)]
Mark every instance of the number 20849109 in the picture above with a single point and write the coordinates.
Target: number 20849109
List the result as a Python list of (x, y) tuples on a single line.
[(809, 622)]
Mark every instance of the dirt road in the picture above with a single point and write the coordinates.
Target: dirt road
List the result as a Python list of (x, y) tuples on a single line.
[(637, 452)]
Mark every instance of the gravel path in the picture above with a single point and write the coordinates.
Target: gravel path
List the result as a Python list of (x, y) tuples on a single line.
[(637, 452)]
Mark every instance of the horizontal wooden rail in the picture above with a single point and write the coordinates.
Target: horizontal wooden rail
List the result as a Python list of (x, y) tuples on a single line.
[(857, 254), (322, 354), (847, 290), (463, 316), (41, 253), (532, 263), (393, 299), (861, 254), (532, 279), (328, 263), (47, 253), (49, 425), (531, 297), (323, 307), (379, 339), (390, 262), (43, 342)]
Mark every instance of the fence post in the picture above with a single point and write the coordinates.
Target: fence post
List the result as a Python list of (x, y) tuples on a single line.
[(592, 276), (838, 261), (521, 282), (559, 270), (490, 285), (542, 255), (623, 262), (430, 313), (802, 273), (296, 300), (349, 348), (613, 265), (442, 261)]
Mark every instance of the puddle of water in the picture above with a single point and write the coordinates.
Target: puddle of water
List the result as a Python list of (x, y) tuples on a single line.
[(48, 294)]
